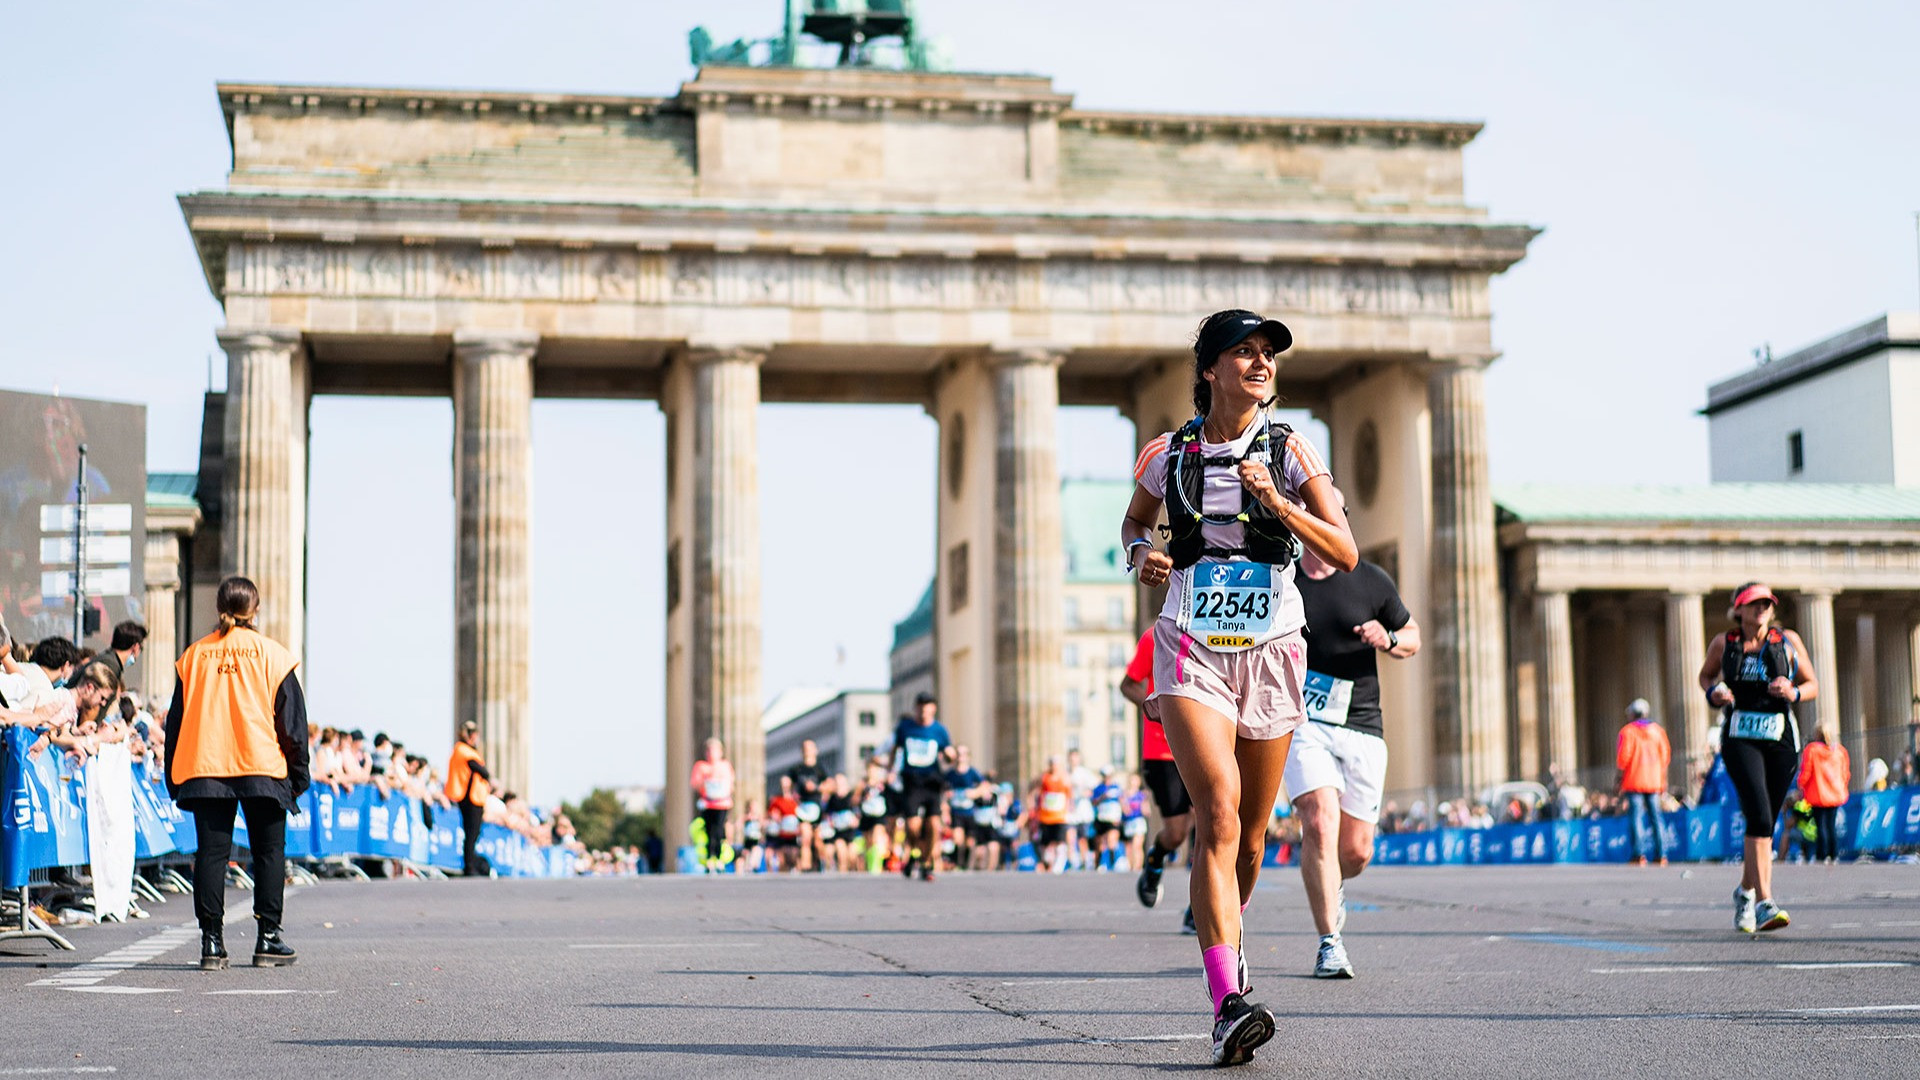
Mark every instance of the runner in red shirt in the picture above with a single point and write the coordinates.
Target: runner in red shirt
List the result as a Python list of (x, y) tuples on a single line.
[(1161, 777)]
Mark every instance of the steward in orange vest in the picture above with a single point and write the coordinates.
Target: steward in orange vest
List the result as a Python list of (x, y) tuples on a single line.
[(468, 784), (237, 741)]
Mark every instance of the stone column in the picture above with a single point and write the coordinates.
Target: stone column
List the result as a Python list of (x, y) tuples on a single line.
[(1861, 708), (493, 476), (1553, 625), (264, 497), (163, 619), (1912, 716), (1646, 662), (1687, 714), (1816, 608), (726, 562), (1469, 671), (1029, 566)]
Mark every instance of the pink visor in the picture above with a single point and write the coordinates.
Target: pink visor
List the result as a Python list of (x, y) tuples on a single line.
[(1751, 593)]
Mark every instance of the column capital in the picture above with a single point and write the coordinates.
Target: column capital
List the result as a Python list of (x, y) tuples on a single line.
[(1451, 363), (479, 343), (701, 355), (249, 338), (1023, 357), (1822, 593)]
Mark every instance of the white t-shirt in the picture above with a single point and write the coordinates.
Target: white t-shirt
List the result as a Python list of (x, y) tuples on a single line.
[(1222, 493)]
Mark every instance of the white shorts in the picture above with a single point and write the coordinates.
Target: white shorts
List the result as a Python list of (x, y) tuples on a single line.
[(1354, 762)]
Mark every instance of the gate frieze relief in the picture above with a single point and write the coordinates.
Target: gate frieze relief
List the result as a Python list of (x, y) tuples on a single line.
[(788, 280)]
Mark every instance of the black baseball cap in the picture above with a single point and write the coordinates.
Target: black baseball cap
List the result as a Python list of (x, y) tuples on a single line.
[(922, 698), (1229, 328)]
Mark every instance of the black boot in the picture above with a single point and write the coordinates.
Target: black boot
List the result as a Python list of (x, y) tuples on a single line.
[(213, 950), (271, 951)]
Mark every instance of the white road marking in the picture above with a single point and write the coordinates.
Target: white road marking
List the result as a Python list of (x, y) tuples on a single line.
[(1649, 970), (62, 1070), (669, 945), (1859, 1038), (105, 967), (218, 993), (1906, 922), (1844, 964), (1848, 925), (1070, 982), (1190, 1036), (117, 990), (1841, 1010)]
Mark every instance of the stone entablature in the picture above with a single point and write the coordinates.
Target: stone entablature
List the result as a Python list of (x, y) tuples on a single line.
[(871, 137), (1714, 559)]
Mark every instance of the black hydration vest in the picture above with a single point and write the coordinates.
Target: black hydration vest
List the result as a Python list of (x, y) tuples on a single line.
[(1267, 540), (1774, 659)]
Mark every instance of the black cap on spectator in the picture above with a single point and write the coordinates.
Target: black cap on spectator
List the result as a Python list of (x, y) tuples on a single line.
[(923, 698)]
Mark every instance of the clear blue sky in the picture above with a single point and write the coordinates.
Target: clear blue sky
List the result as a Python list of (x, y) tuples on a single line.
[(1711, 176)]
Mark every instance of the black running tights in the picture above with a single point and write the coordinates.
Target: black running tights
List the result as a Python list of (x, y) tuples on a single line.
[(1761, 772)]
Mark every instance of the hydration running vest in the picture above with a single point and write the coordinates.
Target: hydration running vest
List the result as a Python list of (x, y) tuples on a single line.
[(1266, 539), (1776, 659)]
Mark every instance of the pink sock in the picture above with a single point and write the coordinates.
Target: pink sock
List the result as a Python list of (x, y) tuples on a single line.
[(1223, 972)]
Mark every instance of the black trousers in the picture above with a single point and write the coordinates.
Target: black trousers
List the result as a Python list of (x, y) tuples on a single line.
[(266, 839), (716, 831), (472, 816), (1826, 832)]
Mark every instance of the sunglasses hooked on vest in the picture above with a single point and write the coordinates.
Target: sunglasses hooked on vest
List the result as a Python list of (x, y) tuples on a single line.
[(1267, 540)]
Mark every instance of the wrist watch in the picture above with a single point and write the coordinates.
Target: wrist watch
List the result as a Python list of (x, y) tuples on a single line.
[(1393, 641)]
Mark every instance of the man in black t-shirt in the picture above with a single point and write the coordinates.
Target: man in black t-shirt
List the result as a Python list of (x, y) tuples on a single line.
[(807, 776), (1338, 763)]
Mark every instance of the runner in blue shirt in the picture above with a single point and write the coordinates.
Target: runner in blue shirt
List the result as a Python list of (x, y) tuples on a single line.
[(1108, 812), (921, 746)]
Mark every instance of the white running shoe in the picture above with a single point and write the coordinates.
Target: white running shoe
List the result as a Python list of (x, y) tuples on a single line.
[(1332, 963), (1743, 905), (1768, 915)]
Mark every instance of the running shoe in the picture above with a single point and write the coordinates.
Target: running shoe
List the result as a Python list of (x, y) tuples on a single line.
[(1186, 924), (1239, 1030), (906, 867), (1743, 911), (1332, 962), (1768, 915), (1149, 888)]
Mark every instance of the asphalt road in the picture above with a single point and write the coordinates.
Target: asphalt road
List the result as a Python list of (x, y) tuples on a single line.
[(1482, 972)]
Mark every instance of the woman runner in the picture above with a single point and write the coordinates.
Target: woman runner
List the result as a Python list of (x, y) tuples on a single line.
[(1241, 494), (1754, 674), (712, 784)]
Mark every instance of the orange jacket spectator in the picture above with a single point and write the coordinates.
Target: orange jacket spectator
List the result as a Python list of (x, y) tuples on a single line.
[(1825, 774), (1642, 756)]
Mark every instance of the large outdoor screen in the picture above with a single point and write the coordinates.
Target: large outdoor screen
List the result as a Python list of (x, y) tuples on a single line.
[(40, 440)]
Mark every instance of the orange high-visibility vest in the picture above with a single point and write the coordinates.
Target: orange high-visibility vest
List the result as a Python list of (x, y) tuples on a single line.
[(228, 683), (461, 781), (1824, 774), (1643, 755)]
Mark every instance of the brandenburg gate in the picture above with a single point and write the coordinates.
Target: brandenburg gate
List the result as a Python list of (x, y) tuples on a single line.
[(973, 244)]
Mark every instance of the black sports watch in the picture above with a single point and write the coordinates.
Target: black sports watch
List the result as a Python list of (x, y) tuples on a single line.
[(1393, 641)]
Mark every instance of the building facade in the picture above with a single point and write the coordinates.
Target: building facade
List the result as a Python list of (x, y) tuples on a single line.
[(1840, 411), (848, 728)]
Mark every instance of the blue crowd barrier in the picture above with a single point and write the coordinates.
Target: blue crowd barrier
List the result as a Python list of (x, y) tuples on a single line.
[(45, 823), (1873, 822)]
